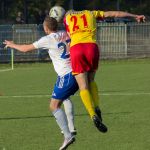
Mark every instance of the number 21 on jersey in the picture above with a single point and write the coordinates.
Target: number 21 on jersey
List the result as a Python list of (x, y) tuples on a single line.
[(78, 22)]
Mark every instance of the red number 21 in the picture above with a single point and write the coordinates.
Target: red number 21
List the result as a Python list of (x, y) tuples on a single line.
[(75, 19), (84, 21)]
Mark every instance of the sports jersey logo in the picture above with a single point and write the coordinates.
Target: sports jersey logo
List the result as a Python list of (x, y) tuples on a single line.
[(53, 94)]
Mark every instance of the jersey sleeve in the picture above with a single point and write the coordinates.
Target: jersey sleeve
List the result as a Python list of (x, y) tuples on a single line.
[(43, 43)]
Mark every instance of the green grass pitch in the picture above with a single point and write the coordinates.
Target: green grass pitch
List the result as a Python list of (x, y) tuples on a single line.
[(27, 124)]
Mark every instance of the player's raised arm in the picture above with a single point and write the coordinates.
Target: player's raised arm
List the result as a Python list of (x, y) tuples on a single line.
[(138, 18), (22, 48)]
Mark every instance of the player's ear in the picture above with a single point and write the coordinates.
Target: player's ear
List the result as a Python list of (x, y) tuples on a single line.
[(45, 28)]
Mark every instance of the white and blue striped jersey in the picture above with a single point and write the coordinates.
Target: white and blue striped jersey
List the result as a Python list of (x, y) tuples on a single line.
[(58, 49)]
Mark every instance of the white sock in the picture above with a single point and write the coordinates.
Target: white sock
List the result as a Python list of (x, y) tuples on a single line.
[(61, 120), (69, 110)]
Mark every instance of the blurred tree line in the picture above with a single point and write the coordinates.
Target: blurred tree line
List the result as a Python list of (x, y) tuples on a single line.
[(32, 10)]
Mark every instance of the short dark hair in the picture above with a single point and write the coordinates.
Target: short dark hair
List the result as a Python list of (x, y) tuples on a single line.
[(51, 23)]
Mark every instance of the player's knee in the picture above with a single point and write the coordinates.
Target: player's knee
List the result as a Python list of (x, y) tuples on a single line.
[(54, 105), (82, 81), (83, 87)]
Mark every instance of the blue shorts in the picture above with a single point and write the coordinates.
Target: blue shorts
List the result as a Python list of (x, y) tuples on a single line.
[(65, 87)]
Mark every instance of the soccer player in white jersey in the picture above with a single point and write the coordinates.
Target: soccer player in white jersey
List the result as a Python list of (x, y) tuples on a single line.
[(66, 85)]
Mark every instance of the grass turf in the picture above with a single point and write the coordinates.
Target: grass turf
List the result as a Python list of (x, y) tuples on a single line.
[(27, 124)]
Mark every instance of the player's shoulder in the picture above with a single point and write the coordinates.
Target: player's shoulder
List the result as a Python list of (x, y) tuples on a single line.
[(52, 35), (48, 38), (58, 36), (44, 38), (73, 12), (63, 34)]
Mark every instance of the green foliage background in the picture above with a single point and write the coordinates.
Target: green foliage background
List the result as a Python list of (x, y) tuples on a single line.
[(9, 8)]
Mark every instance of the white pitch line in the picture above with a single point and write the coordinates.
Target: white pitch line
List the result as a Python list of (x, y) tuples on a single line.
[(5, 70), (124, 94), (104, 94), (24, 96)]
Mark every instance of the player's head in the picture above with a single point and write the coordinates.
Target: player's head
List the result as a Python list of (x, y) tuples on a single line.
[(50, 24), (57, 12)]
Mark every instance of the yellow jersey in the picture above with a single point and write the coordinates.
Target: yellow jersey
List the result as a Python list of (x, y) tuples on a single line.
[(81, 26)]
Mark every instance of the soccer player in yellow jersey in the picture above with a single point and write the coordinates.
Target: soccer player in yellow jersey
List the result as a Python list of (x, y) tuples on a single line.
[(84, 52)]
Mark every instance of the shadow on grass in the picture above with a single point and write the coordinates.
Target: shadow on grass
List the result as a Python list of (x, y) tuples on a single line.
[(50, 116)]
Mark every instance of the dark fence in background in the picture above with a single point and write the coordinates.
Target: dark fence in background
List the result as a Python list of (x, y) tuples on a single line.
[(117, 40)]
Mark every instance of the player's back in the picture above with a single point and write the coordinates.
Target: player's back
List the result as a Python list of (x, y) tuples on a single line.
[(60, 53), (58, 49), (82, 26)]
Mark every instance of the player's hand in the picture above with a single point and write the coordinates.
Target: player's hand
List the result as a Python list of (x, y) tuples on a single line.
[(140, 18), (8, 43)]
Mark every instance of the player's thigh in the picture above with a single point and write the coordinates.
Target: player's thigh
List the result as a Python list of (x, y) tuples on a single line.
[(82, 80), (84, 57), (92, 56)]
